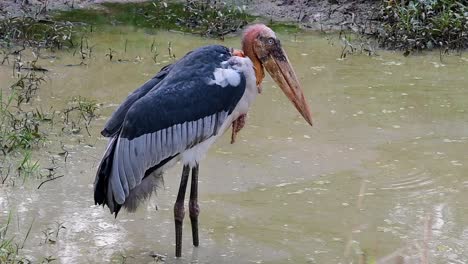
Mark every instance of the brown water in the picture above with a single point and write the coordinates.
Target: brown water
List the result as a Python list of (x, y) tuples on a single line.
[(383, 171)]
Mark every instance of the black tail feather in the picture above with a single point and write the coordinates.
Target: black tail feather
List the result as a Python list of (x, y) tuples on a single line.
[(101, 183)]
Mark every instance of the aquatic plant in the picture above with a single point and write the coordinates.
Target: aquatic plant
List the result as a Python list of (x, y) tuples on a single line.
[(8, 251), (170, 51), (154, 52), (18, 129), (110, 54), (84, 50), (51, 234), (29, 81), (212, 18), (9, 247), (80, 111), (355, 44), (27, 166), (20, 123), (423, 24), (33, 32)]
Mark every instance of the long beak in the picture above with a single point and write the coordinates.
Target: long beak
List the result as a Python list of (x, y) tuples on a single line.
[(282, 72)]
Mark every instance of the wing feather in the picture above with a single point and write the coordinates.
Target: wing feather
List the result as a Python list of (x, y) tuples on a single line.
[(163, 142), (122, 165), (118, 173), (183, 134), (159, 145), (130, 166), (177, 137), (169, 148), (192, 132)]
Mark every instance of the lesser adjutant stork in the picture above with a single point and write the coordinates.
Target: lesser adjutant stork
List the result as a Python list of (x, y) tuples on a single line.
[(179, 114)]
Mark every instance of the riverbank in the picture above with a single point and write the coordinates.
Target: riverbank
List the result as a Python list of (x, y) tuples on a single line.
[(40, 8), (319, 15), (313, 15), (411, 26)]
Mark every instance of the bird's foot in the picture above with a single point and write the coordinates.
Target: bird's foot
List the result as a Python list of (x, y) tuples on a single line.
[(237, 125)]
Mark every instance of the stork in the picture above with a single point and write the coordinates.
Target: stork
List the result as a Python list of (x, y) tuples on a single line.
[(179, 113)]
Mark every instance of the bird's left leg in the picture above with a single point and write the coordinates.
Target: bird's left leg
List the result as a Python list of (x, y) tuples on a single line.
[(193, 205), (179, 212)]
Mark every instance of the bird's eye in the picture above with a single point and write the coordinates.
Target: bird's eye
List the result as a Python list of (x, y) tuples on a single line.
[(271, 41)]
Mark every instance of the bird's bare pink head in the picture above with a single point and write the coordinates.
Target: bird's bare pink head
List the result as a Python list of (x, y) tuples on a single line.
[(261, 45)]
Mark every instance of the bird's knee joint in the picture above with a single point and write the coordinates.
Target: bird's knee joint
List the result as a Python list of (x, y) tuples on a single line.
[(194, 208), (179, 212)]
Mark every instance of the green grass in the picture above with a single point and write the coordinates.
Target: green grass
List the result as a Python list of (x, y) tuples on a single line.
[(9, 249), (424, 24), (18, 129), (33, 32), (214, 19), (284, 27), (90, 16), (126, 14)]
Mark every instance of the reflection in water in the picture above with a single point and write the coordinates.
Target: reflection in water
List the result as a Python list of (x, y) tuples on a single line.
[(385, 159)]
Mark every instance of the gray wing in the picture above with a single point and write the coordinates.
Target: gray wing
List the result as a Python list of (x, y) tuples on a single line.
[(132, 158)]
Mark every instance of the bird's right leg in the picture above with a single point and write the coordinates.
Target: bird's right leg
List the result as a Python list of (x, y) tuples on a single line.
[(179, 212), (193, 205)]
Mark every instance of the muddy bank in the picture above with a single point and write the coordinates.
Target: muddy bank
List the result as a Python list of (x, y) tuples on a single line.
[(36, 7), (315, 15), (318, 15)]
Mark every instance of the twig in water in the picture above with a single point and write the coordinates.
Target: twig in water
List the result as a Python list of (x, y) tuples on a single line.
[(48, 180), (7, 175), (27, 234), (170, 51), (110, 54)]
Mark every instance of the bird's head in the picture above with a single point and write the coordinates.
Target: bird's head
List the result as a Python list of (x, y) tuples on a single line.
[(261, 45)]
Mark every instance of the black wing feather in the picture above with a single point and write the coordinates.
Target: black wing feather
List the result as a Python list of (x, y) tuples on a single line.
[(114, 123)]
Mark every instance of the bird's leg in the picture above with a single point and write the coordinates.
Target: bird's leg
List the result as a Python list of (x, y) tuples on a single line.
[(179, 212), (193, 205)]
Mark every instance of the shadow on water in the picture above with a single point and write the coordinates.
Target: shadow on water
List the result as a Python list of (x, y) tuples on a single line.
[(387, 152)]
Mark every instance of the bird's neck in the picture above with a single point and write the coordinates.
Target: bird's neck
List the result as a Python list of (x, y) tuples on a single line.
[(258, 67), (247, 51)]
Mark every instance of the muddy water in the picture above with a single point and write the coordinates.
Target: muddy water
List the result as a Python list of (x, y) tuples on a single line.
[(382, 174)]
